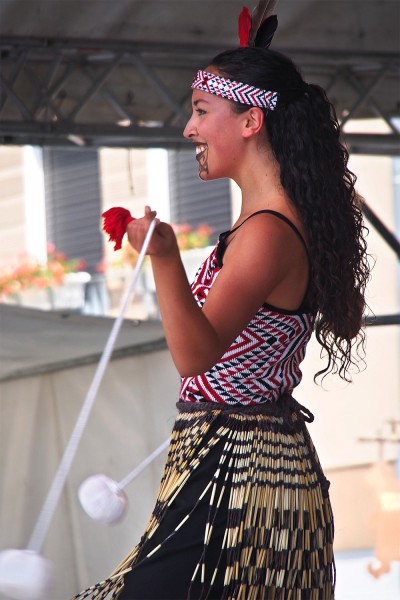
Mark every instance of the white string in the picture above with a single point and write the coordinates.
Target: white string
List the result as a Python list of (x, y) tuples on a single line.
[(137, 470), (43, 522)]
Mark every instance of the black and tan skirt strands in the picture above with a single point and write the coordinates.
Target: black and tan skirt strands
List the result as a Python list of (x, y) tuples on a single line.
[(242, 513)]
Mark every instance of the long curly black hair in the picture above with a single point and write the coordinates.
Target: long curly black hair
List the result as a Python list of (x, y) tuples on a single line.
[(304, 134)]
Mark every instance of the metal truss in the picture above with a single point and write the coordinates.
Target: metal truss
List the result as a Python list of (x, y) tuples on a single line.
[(394, 244), (57, 92), (101, 93)]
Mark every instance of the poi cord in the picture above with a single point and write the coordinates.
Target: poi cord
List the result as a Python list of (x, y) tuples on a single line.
[(43, 522), (141, 466)]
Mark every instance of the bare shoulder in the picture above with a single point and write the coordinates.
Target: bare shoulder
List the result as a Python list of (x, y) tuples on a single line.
[(266, 234), (275, 221)]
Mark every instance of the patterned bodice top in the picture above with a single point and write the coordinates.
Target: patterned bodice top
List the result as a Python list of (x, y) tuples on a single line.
[(264, 360)]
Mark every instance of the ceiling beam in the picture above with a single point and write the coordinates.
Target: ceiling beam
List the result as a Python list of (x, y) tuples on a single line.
[(52, 89), (97, 135)]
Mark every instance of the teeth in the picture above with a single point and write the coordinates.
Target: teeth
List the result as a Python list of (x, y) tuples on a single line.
[(200, 149)]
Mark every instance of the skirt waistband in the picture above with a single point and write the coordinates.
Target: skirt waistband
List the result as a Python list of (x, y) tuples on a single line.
[(287, 408)]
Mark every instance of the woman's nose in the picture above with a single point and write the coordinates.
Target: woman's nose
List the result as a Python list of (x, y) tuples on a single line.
[(190, 129)]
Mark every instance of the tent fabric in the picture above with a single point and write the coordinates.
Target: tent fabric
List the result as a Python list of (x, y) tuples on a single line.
[(33, 341), (132, 415)]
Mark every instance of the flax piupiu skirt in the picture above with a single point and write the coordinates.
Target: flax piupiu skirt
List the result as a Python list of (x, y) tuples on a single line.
[(242, 512)]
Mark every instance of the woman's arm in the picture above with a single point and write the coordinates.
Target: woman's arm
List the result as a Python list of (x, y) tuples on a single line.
[(263, 256)]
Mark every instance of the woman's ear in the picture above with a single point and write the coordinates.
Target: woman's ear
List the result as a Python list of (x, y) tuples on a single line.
[(253, 122)]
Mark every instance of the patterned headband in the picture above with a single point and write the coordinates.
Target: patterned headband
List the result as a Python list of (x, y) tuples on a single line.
[(234, 90)]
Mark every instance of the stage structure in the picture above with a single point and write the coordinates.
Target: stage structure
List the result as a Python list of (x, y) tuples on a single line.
[(120, 76), (73, 75)]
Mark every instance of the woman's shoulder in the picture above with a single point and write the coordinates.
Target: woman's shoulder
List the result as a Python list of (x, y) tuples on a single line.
[(270, 226), (260, 240)]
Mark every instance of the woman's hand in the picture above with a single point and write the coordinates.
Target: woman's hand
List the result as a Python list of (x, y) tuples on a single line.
[(163, 241)]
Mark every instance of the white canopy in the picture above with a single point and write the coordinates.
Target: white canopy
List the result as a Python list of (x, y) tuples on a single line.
[(47, 364)]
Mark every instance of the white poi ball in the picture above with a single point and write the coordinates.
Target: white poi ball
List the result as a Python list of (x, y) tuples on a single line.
[(25, 575), (102, 499)]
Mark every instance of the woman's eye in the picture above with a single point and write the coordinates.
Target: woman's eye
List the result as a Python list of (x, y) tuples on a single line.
[(200, 111)]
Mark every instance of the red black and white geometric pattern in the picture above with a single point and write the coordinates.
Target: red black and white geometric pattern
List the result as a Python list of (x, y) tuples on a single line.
[(262, 363), (234, 90)]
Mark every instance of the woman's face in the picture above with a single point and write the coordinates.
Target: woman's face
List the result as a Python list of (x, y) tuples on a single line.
[(215, 129)]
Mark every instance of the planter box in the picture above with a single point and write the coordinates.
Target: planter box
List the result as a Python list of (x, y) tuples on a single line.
[(192, 260), (144, 303), (68, 296)]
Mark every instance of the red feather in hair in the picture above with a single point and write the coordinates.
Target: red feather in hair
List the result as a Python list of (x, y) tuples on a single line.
[(115, 223), (244, 27)]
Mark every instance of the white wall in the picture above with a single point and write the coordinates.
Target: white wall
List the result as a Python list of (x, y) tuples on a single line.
[(346, 412), (13, 240)]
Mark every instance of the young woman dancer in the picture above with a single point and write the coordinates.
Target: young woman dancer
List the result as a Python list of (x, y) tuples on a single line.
[(243, 510)]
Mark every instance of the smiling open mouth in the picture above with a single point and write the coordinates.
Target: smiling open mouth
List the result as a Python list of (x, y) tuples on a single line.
[(201, 157), (200, 150)]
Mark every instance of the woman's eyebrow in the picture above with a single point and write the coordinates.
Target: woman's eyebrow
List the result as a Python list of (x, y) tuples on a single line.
[(196, 102)]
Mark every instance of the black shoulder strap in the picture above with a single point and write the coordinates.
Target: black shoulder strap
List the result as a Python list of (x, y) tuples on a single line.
[(225, 234), (222, 246), (279, 216)]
